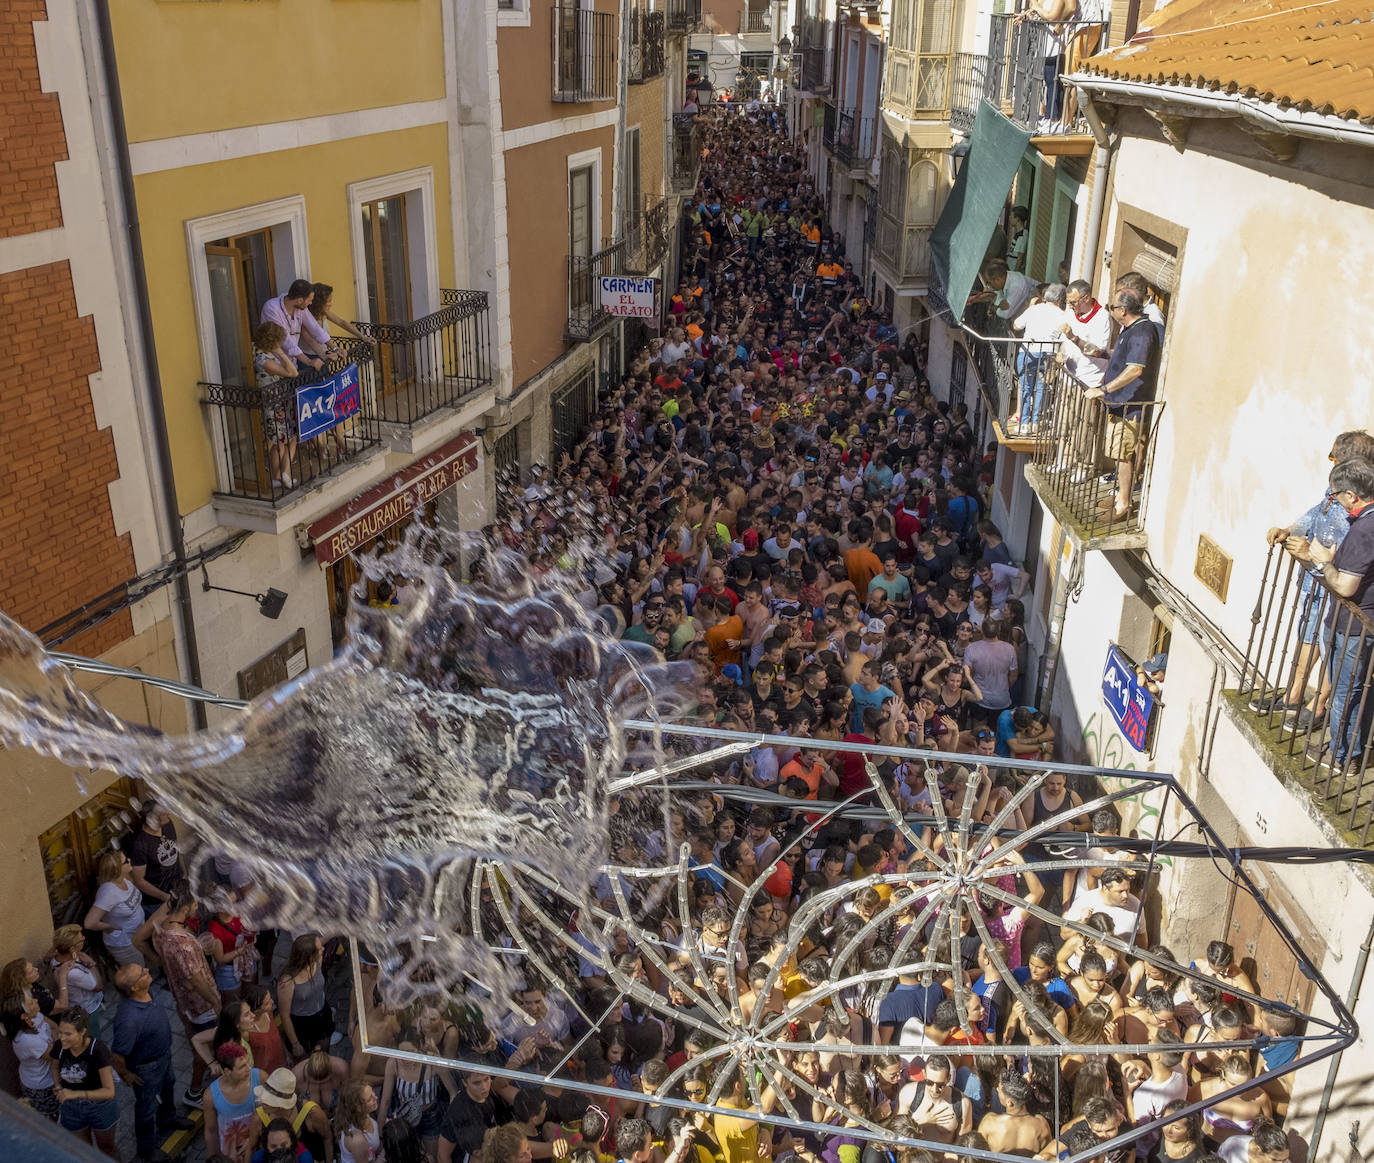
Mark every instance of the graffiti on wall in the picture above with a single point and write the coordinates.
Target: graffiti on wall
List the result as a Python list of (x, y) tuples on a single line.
[(1106, 747)]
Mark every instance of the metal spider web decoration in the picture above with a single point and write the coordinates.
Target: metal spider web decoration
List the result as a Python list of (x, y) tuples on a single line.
[(524, 913)]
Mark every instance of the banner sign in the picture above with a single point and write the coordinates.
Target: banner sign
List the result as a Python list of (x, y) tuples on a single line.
[(322, 405), (1126, 697), (629, 297), (355, 524)]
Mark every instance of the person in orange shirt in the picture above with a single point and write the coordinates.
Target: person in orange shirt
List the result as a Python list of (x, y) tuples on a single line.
[(828, 271), (861, 563), (724, 629), (811, 769)]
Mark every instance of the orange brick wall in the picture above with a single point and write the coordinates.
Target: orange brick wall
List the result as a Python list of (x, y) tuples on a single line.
[(31, 137), (58, 546)]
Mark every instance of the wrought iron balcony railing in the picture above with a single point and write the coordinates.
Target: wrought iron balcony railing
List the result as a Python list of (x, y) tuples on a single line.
[(256, 430), (1305, 687), (1095, 459), (683, 16), (433, 362), (646, 241), (854, 136), (754, 21), (1012, 75), (584, 62), (687, 143), (586, 317), (813, 78), (646, 46)]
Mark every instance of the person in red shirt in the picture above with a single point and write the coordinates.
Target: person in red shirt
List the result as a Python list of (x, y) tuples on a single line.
[(907, 525), (854, 773)]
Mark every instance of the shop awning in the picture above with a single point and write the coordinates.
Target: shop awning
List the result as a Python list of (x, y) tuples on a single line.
[(960, 238)]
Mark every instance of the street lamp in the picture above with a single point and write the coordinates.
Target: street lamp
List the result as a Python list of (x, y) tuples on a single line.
[(957, 153), (702, 89)]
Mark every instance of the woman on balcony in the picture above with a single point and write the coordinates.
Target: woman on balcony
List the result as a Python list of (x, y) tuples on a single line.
[(315, 338), (272, 363)]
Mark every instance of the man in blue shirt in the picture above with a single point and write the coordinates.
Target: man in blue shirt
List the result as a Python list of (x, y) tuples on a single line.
[(1128, 381), (868, 692), (1328, 523), (142, 1046)]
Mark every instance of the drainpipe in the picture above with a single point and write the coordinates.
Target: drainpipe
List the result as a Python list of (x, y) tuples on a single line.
[(1102, 156), (1351, 998), (1066, 584), (157, 413)]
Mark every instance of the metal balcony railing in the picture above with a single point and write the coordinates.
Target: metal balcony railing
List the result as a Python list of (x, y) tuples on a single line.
[(256, 429), (754, 21), (584, 62), (854, 138), (432, 362), (586, 317), (831, 120), (646, 46), (646, 240), (813, 77), (687, 142), (1018, 77), (1306, 684), (682, 15), (1079, 447)]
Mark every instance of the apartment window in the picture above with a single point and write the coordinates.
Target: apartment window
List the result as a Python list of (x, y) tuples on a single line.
[(513, 12), (238, 261), (633, 189), (581, 236), (920, 205)]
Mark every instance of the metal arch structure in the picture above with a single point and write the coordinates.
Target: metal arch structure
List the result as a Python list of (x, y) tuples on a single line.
[(964, 847)]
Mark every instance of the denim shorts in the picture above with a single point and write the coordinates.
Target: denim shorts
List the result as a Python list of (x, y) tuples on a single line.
[(1313, 610), (79, 1113)]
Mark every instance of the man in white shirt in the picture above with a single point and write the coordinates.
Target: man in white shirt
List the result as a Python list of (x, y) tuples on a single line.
[(1007, 291), (1039, 325), (288, 312), (1087, 335), (1113, 897)]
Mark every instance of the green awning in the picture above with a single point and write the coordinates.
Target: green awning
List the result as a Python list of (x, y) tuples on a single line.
[(960, 238)]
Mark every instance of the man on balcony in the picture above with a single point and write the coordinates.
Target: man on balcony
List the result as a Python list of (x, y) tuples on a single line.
[(1007, 291), (1348, 571), (1130, 381), (1039, 325), (288, 312)]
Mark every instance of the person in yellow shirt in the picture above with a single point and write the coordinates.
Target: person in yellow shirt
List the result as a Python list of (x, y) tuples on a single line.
[(738, 1138)]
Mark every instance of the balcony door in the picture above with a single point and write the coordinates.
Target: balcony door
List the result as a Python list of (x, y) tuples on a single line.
[(242, 279), (386, 260), (581, 231)]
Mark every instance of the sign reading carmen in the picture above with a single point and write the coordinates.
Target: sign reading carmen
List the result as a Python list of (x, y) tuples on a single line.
[(321, 405), (368, 514), (629, 297), (1126, 698)]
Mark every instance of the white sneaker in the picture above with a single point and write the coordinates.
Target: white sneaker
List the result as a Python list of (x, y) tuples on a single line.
[(287, 482)]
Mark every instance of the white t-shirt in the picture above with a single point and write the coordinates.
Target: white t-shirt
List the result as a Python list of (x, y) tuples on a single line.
[(1150, 1099), (1236, 1149), (123, 908), (1017, 292), (1040, 322), (1123, 916)]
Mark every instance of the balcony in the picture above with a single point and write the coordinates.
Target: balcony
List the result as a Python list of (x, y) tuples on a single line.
[(255, 428), (584, 65), (647, 239), (687, 144), (755, 21), (434, 362), (850, 136), (904, 250), (1286, 661), (1074, 464), (586, 317), (1011, 75), (646, 46), (810, 77), (682, 16)]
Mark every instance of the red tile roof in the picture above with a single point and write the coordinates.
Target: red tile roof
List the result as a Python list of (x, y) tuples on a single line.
[(1314, 57)]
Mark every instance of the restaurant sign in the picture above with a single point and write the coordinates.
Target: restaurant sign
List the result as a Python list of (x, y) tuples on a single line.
[(355, 524)]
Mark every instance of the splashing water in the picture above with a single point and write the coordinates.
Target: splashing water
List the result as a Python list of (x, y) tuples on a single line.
[(478, 723)]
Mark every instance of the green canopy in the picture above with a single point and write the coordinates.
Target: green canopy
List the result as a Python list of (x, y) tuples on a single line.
[(960, 238)]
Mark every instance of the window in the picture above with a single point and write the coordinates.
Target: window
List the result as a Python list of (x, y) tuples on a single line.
[(513, 13), (920, 207), (583, 216), (633, 191), (572, 406)]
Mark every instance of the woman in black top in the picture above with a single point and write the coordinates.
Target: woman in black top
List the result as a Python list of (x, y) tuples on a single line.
[(85, 1083), (1181, 1140)]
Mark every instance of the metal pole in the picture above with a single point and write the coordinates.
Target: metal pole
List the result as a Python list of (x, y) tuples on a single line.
[(1351, 998)]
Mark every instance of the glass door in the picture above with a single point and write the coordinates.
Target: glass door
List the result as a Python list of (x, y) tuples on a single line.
[(386, 255), (240, 427)]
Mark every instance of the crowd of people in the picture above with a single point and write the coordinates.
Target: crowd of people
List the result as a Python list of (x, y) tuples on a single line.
[(775, 494)]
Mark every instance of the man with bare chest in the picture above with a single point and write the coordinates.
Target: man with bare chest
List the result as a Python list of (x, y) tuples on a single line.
[(1017, 1132)]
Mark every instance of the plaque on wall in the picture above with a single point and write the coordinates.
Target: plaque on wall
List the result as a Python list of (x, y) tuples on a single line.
[(1213, 567), (285, 661)]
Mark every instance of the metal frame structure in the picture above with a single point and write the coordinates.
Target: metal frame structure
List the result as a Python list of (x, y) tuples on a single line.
[(965, 847)]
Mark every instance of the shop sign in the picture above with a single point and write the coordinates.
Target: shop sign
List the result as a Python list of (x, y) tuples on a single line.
[(321, 405), (628, 297), (1126, 698), (368, 514)]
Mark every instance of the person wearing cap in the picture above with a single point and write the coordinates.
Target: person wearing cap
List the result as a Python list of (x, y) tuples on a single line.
[(1150, 673), (277, 1099)]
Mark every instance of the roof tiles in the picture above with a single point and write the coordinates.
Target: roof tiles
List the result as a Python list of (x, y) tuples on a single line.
[(1313, 57)]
